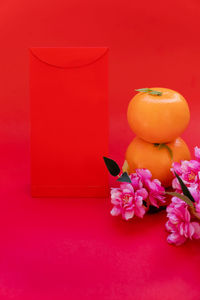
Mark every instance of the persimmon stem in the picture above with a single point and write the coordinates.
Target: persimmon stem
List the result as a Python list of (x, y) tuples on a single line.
[(163, 145), (149, 91)]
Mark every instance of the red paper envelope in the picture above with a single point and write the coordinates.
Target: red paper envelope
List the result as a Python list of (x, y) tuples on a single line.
[(69, 122)]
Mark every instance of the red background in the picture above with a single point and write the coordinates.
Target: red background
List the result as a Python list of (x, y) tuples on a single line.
[(73, 249)]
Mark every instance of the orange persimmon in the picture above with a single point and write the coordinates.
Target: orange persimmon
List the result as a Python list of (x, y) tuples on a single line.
[(158, 115), (157, 158)]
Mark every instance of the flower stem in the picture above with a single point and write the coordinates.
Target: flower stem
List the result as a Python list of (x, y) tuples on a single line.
[(194, 213)]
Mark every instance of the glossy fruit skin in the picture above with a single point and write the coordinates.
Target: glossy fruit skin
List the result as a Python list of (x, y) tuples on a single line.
[(141, 154), (158, 119)]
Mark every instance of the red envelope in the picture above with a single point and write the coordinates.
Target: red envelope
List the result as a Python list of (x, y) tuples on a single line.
[(69, 122)]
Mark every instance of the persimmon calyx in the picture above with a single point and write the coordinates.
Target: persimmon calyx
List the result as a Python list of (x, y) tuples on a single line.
[(149, 91)]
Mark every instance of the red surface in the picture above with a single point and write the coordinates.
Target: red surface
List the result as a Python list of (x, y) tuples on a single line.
[(72, 248), (69, 122)]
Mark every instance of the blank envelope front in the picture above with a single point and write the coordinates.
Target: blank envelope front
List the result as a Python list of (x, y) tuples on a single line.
[(69, 122)]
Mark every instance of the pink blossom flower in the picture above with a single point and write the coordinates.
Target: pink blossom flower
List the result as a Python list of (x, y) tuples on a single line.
[(179, 224), (154, 188), (126, 202), (189, 171), (128, 199), (196, 195), (156, 192), (136, 181), (177, 168)]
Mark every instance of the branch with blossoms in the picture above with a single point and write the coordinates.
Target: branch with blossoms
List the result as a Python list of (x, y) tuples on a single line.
[(183, 212), (138, 192)]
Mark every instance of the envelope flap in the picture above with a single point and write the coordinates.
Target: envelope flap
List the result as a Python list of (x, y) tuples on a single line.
[(69, 57)]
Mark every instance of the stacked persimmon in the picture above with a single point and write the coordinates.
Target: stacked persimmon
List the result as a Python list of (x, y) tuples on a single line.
[(157, 116)]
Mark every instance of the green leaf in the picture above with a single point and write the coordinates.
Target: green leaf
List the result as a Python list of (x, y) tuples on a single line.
[(184, 188), (155, 93), (149, 91), (112, 166), (144, 90), (124, 178), (182, 197)]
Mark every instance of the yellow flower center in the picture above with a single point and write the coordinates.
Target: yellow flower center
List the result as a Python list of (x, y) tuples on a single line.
[(126, 199), (192, 176)]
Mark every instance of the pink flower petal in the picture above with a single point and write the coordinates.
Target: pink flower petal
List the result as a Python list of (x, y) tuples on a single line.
[(195, 192), (128, 214), (116, 196), (197, 153), (136, 181), (174, 219), (127, 188), (196, 227), (170, 227), (139, 208), (176, 184), (177, 201), (142, 192), (176, 167), (187, 215), (144, 174), (140, 211), (116, 211), (181, 228), (197, 208), (191, 230), (153, 201), (176, 239), (190, 165)]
